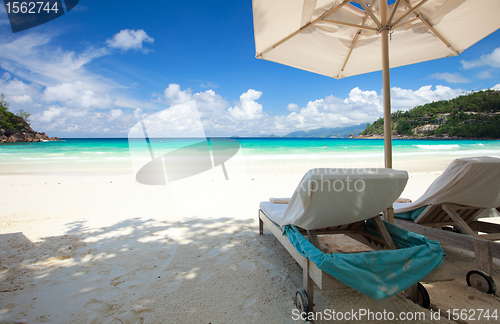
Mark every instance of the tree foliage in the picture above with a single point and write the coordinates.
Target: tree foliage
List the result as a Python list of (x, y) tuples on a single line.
[(8, 120), (24, 115), (476, 114), (3, 102)]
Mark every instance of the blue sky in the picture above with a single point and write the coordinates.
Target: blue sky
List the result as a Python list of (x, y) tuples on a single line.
[(95, 71)]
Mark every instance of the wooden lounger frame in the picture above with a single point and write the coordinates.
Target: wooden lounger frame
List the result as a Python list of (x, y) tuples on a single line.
[(313, 275), (434, 217)]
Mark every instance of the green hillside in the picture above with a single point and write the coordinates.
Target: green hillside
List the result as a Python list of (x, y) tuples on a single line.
[(9, 122), (476, 114)]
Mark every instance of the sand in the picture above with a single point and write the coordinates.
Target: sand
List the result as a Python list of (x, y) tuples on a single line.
[(88, 246)]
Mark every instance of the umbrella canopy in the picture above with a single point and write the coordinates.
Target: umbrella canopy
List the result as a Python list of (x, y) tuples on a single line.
[(343, 38)]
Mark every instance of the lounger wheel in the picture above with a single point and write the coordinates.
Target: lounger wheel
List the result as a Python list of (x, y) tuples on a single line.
[(482, 281), (301, 301), (423, 298), (452, 229)]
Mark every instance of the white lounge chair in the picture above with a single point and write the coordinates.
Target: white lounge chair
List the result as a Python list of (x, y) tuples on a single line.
[(454, 201), (349, 202)]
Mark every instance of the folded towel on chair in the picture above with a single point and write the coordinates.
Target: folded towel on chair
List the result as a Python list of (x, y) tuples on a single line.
[(279, 200)]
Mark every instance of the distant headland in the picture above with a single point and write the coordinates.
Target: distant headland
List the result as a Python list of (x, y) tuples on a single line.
[(15, 128), (475, 115)]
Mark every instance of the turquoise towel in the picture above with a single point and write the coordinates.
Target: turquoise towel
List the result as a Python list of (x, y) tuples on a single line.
[(411, 215), (378, 274)]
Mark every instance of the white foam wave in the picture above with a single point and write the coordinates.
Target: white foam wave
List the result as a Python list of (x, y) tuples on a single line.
[(362, 155), (311, 156), (452, 153), (438, 147), (53, 158)]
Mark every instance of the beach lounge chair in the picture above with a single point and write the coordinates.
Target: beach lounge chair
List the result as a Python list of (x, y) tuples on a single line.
[(453, 202), (372, 256)]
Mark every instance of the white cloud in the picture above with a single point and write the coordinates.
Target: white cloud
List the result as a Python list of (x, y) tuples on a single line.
[(48, 115), (484, 75), (492, 59), (210, 105), (63, 96), (331, 111), (362, 100), (56, 115), (496, 87), (66, 109), (21, 95), (450, 77), (138, 113), (247, 108), (128, 39), (218, 118), (32, 58), (175, 95), (75, 94), (209, 85), (114, 114), (66, 122), (180, 120), (404, 99), (292, 107)]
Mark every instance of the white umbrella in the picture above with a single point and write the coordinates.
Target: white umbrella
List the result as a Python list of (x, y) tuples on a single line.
[(340, 39)]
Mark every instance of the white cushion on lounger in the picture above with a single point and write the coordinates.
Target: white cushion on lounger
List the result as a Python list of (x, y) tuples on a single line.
[(331, 197), (272, 210), (470, 181), (399, 206)]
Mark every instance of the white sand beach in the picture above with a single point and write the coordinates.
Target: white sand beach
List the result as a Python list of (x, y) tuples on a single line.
[(92, 246)]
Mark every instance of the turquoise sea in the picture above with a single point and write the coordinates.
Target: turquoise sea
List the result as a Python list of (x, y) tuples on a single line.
[(78, 150)]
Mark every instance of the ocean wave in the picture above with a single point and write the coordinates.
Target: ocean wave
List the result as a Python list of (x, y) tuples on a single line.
[(364, 155), (95, 152), (310, 156), (438, 147), (453, 153), (53, 158)]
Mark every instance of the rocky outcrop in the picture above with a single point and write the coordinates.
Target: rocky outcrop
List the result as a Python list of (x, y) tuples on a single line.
[(398, 136), (25, 135), (371, 136), (421, 130)]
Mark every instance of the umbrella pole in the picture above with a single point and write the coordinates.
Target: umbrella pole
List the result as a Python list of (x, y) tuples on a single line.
[(386, 86), (386, 79)]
